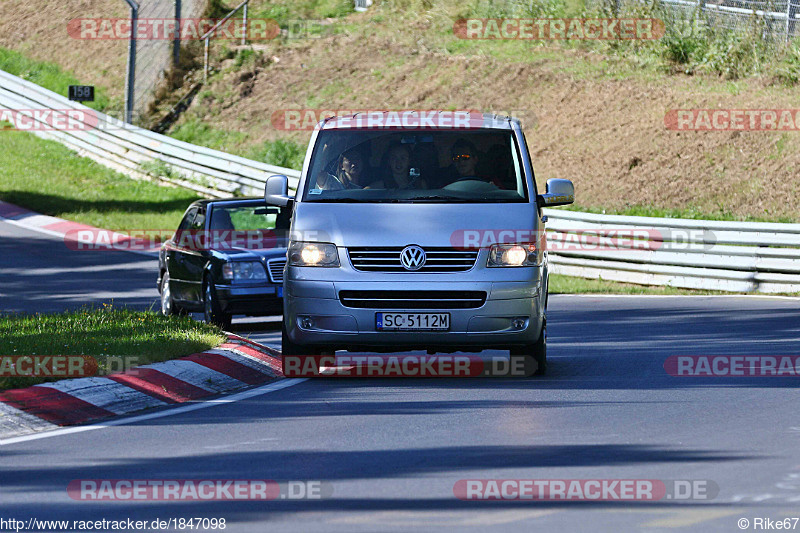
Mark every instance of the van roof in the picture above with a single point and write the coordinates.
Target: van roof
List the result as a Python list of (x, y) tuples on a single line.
[(411, 119)]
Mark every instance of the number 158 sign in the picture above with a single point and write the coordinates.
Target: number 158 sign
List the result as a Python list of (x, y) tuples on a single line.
[(81, 93)]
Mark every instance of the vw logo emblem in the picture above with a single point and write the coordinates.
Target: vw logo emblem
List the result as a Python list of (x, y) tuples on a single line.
[(412, 257)]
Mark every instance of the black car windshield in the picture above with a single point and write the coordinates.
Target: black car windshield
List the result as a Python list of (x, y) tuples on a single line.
[(236, 225), (255, 216), (354, 166)]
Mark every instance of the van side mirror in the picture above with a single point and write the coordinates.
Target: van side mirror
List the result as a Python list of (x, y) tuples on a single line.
[(558, 192), (276, 191)]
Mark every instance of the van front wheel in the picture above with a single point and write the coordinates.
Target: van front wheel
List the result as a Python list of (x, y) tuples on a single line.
[(533, 356)]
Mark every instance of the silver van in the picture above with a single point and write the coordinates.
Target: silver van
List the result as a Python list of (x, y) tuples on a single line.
[(417, 237)]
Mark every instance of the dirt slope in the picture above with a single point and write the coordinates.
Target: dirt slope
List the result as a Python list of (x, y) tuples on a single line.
[(38, 29)]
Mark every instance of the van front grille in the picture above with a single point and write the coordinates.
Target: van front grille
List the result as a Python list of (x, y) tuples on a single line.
[(412, 299), (387, 259)]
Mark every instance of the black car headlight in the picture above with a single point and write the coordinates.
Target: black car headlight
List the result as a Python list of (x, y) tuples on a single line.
[(244, 271)]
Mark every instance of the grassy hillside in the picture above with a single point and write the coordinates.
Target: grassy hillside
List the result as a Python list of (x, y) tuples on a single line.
[(593, 111)]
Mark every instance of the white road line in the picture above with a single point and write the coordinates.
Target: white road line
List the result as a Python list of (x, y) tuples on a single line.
[(266, 389)]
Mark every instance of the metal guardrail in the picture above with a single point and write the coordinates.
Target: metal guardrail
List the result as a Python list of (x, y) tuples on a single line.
[(133, 150), (701, 254), (696, 254)]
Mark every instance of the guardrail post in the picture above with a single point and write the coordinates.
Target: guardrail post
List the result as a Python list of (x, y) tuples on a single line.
[(244, 30), (176, 43), (205, 62), (130, 77)]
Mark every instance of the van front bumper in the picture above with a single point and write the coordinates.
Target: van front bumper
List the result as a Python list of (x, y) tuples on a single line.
[(510, 316)]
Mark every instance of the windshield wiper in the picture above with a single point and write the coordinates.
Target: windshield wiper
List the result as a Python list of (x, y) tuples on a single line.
[(343, 200), (435, 197)]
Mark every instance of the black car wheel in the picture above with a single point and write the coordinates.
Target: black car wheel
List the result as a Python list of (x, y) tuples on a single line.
[(168, 305), (533, 356), (211, 309)]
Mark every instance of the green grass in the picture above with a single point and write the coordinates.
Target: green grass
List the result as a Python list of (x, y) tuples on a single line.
[(284, 12), (568, 285), (112, 336), (196, 131), (47, 75), (48, 178), (282, 152)]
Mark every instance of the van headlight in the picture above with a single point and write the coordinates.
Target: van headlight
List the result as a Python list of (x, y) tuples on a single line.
[(244, 271), (513, 255), (321, 254)]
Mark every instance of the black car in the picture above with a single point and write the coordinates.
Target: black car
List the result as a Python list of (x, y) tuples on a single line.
[(226, 258)]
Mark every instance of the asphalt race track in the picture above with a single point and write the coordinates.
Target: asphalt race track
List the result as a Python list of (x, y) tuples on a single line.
[(41, 275), (392, 450)]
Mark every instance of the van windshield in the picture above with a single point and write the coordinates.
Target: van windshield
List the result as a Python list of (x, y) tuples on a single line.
[(422, 166)]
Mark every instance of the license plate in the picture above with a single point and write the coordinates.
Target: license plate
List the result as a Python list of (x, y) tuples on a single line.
[(413, 321), (280, 292)]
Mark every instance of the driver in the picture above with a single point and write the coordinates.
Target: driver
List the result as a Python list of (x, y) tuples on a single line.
[(352, 170), (465, 159)]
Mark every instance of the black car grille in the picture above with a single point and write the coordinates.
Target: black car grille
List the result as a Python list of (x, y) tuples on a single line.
[(275, 268), (388, 259), (412, 299)]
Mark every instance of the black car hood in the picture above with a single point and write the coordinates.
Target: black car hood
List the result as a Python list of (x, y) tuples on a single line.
[(244, 254)]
